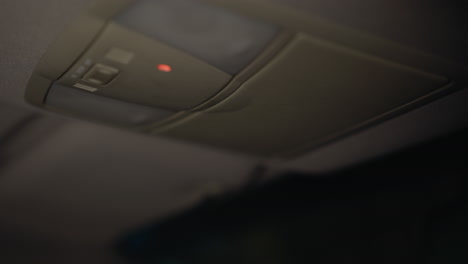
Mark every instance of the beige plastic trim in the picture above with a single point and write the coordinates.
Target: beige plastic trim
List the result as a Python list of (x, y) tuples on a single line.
[(325, 91), (82, 33), (69, 46), (295, 21), (277, 44)]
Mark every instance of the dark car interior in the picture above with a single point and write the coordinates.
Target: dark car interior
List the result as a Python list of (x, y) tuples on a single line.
[(233, 131)]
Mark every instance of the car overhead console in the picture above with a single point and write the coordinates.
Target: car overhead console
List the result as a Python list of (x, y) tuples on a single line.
[(244, 75)]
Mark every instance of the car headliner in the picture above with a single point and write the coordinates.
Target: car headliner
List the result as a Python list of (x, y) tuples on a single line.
[(70, 181)]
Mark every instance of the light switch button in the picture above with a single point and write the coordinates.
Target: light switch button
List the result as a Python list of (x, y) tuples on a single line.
[(101, 74)]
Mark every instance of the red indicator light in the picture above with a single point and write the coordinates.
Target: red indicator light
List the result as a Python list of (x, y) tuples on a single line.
[(164, 68)]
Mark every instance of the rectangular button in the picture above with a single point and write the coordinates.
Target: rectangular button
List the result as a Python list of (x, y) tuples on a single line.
[(101, 74)]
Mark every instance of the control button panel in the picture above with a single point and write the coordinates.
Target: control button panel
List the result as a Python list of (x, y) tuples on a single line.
[(131, 67)]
